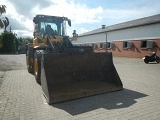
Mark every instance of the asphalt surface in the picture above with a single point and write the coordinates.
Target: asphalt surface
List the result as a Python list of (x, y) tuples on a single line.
[(21, 97)]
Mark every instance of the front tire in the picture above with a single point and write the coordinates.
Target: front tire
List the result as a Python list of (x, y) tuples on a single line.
[(146, 61), (37, 65), (29, 58)]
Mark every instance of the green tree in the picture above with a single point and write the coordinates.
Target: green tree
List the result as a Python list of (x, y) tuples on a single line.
[(27, 40), (16, 44), (8, 40), (1, 43), (4, 22)]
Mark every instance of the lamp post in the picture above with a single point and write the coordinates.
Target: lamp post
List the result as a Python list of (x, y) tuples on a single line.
[(106, 40), (103, 27)]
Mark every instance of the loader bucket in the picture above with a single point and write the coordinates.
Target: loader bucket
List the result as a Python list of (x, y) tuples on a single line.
[(70, 76)]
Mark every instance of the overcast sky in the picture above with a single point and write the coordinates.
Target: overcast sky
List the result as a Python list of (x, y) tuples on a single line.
[(86, 15)]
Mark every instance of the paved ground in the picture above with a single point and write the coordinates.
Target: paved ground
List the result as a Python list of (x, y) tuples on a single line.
[(21, 97)]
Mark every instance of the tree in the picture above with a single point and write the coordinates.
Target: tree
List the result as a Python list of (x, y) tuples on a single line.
[(4, 22), (8, 40), (1, 43)]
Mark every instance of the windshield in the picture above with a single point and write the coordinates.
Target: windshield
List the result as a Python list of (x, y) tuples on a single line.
[(52, 26)]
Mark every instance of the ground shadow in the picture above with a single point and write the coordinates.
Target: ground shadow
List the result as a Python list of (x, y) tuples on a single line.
[(114, 100)]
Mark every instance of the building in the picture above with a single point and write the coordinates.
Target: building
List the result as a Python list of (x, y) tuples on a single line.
[(134, 38)]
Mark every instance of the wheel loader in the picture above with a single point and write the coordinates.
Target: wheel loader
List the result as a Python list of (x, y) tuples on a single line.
[(65, 71)]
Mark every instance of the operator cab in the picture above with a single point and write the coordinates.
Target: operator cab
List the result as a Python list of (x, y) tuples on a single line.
[(51, 25)]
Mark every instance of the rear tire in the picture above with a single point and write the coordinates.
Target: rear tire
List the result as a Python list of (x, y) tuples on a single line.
[(37, 65)]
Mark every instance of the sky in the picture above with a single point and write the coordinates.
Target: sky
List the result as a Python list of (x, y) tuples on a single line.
[(86, 15)]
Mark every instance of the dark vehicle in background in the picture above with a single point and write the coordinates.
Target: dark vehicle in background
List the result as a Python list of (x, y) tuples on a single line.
[(151, 58)]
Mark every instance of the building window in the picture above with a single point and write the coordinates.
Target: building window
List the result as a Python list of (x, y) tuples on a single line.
[(144, 44), (104, 45), (147, 44), (150, 44), (129, 44), (108, 45), (94, 45), (125, 44), (101, 45)]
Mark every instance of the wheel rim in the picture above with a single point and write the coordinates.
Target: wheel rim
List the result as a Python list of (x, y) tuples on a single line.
[(35, 67)]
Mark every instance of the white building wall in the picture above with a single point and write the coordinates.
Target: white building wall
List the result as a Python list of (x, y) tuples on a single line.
[(137, 33), (91, 38)]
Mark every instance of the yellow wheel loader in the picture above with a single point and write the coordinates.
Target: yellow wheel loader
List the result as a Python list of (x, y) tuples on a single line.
[(65, 71)]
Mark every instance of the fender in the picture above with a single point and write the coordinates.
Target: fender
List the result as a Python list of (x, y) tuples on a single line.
[(145, 57)]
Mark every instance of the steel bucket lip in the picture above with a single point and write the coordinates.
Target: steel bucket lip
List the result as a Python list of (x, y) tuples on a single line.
[(54, 100)]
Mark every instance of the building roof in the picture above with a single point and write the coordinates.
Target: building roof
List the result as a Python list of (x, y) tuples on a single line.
[(134, 23)]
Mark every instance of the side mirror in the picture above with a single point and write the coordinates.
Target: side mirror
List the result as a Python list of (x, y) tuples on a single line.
[(35, 20), (69, 22)]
